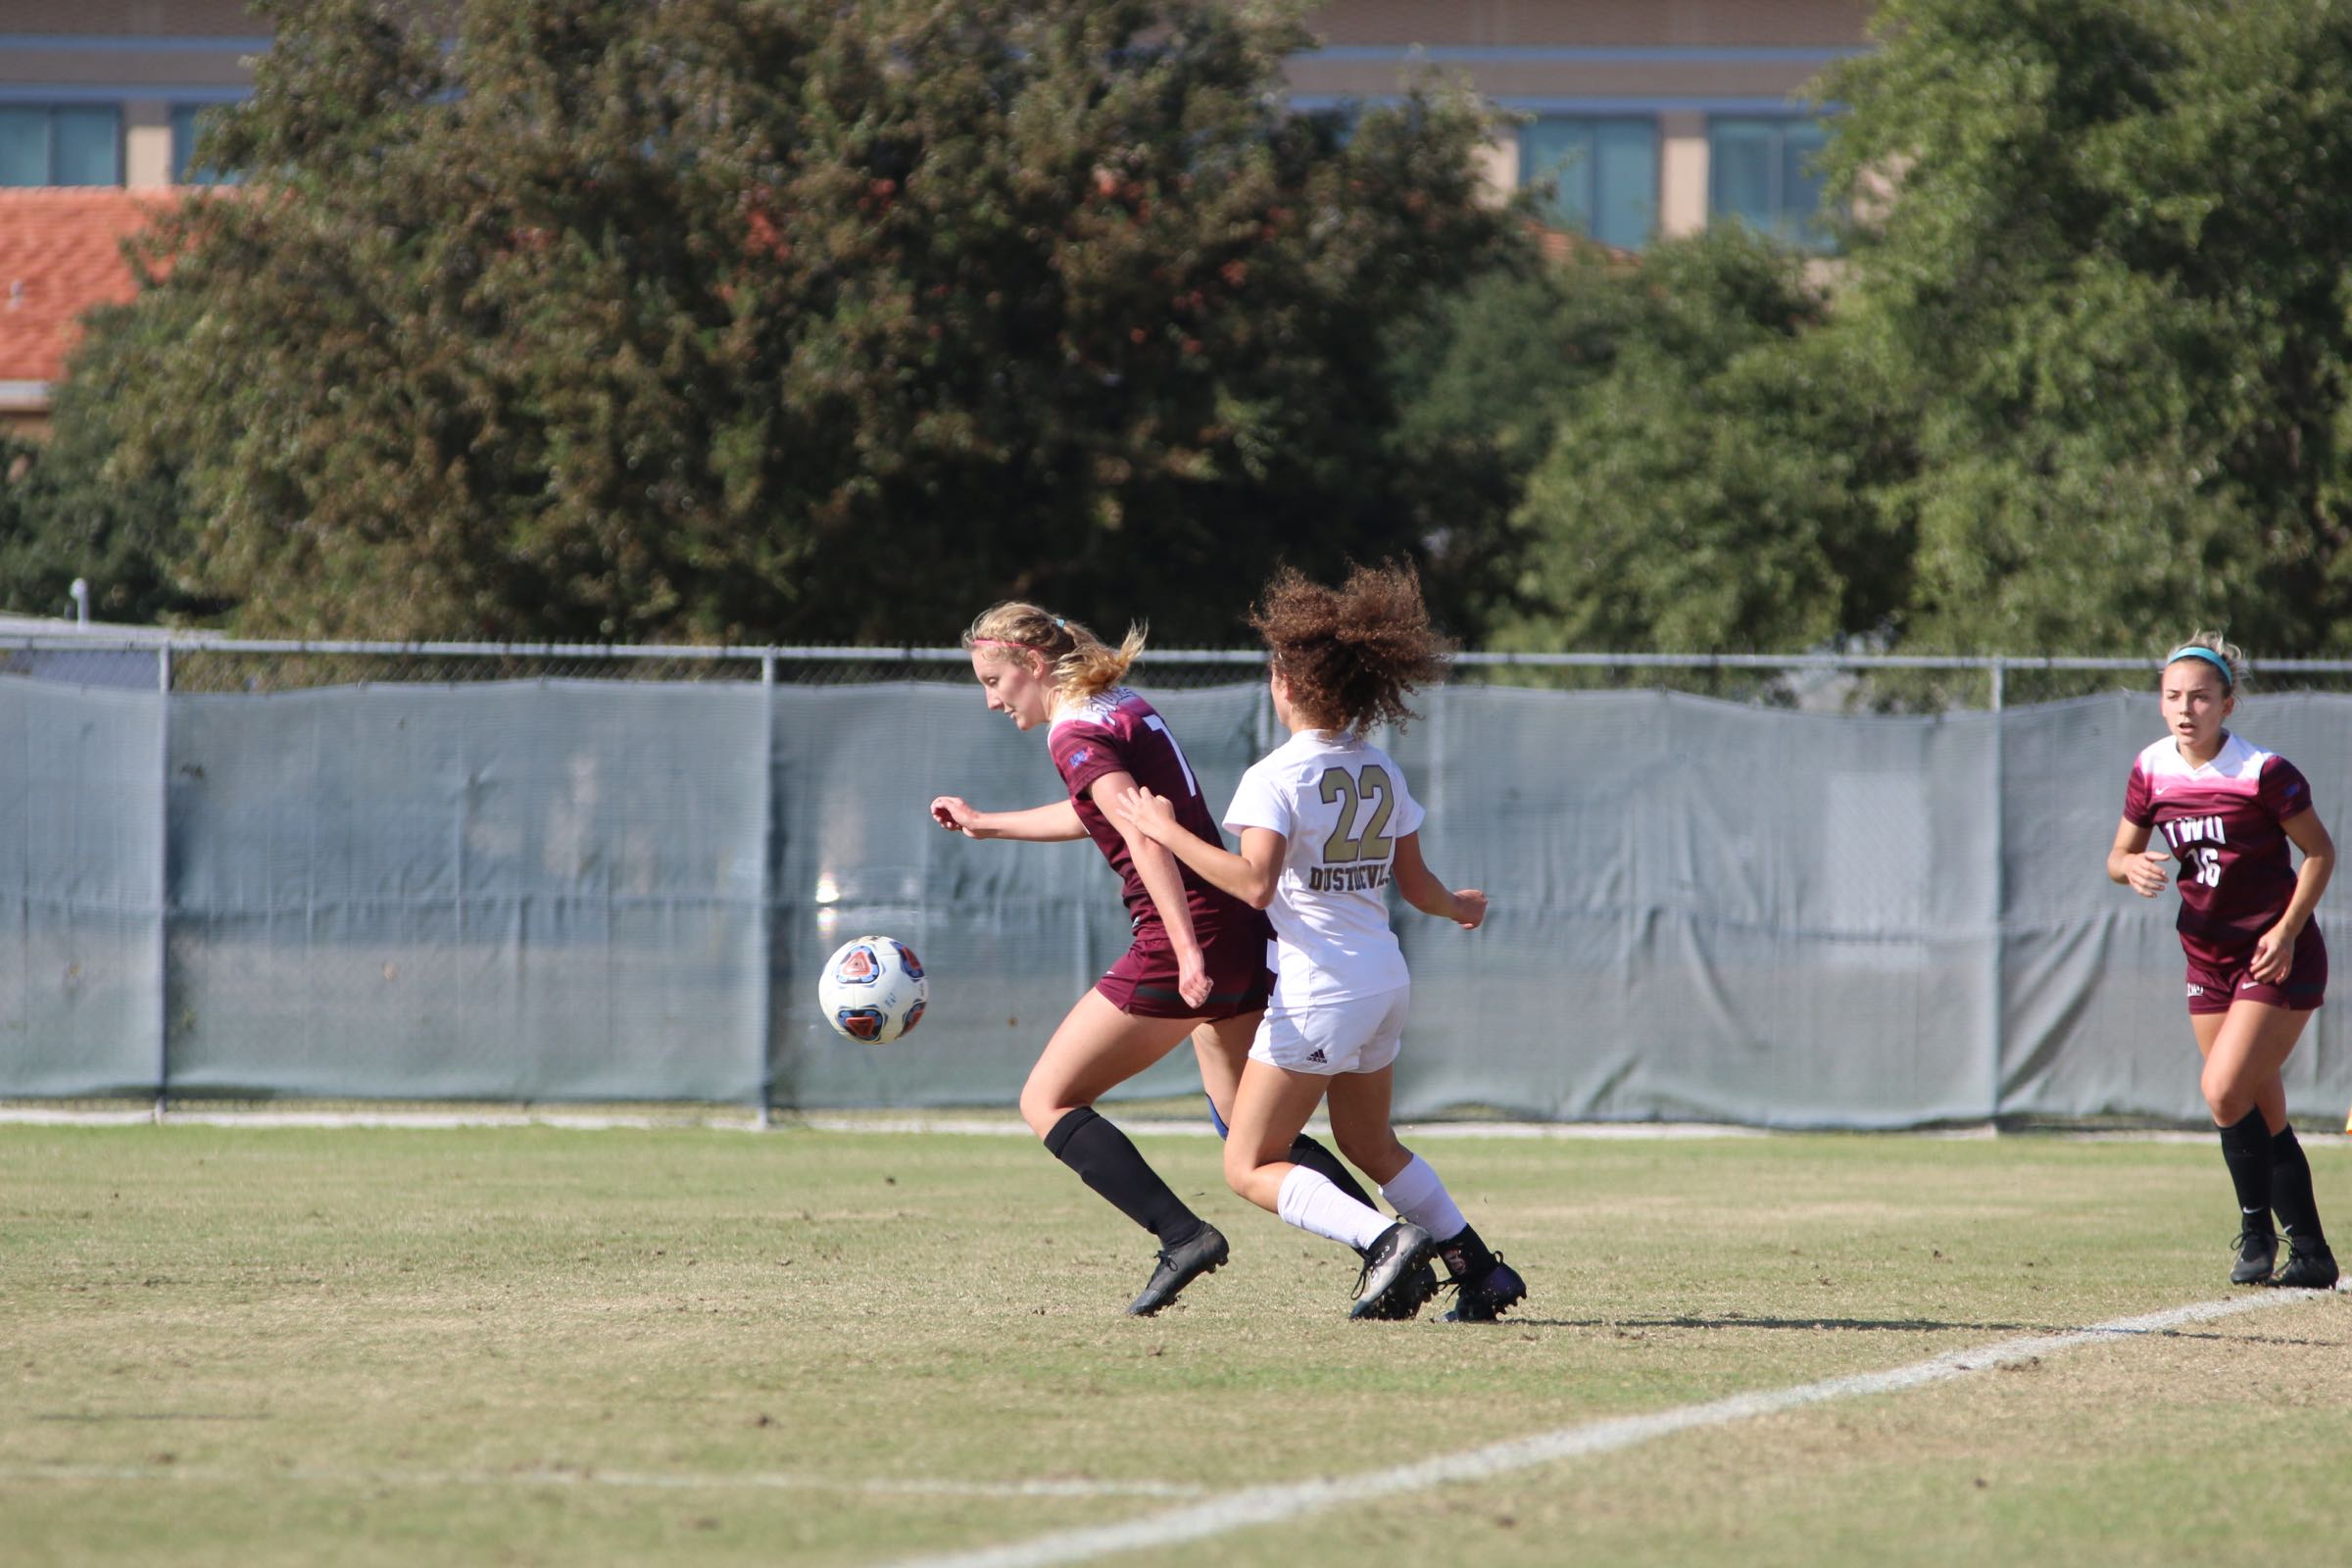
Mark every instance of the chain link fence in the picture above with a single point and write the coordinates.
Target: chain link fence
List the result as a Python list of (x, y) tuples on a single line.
[(199, 662), (1859, 683)]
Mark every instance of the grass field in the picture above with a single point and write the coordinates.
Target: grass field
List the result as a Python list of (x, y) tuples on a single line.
[(550, 1345)]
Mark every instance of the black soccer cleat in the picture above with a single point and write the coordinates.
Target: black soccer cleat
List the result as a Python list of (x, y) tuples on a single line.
[(2257, 1253), (1485, 1287), (2308, 1268), (1407, 1297), (1484, 1297), (1390, 1263), (1179, 1266)]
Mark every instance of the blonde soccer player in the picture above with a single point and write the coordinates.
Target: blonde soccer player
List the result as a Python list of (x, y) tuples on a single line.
[(1198, 961), (1327, 826), (2257, 964)]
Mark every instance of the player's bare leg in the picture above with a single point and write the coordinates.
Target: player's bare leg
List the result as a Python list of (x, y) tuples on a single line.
[(1093, 1050), (1268, 1115), (1222, 1047), (1359, 1121), (2246, 1051)]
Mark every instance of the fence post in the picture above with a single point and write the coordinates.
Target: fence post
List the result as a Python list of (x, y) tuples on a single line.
[(1995, 1019), (766, 925), (162, 880)]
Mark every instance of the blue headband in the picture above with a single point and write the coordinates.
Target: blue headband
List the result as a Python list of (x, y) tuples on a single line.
[(2193, 651)]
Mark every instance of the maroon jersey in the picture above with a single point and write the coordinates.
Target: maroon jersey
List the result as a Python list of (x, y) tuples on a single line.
[(1118, 732), (2225, 823)]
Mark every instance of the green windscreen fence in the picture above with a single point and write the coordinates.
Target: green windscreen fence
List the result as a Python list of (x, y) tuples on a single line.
[(587, 890)]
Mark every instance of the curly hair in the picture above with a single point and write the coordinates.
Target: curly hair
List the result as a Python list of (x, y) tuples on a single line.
[(1350, 655), (1081, 662), (2226, 651)]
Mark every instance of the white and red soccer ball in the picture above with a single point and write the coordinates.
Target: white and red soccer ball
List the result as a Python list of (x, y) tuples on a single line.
[(872, 990)]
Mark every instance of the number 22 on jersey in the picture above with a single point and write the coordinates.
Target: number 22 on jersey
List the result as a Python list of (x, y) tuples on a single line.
[(1353, 793)]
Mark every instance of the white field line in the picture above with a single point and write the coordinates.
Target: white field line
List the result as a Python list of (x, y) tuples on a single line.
[(589, 1476), (1278, 1504)]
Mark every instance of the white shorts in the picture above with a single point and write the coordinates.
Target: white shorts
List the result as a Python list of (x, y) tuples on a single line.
[(1362, 1034)]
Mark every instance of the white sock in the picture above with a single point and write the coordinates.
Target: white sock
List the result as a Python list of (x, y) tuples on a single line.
[(1416, 1192), (1309, 1202)]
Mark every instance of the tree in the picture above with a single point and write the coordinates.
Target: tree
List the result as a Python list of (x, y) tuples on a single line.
[(2079, 384), (65, 512), (2116, 261), (1499, 363), (1717, 488), (759, 322)]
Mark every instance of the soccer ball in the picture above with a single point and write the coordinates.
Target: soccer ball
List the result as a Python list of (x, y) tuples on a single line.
[(872, 990)]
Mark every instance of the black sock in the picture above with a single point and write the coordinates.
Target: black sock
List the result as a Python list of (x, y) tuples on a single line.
[(2290, 1191), (1108, 1162), (1464, 1253), (2246, 1150), (1304, 1151)]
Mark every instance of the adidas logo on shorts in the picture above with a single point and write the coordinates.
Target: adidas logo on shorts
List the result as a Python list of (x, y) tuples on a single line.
[(1316, 1055)]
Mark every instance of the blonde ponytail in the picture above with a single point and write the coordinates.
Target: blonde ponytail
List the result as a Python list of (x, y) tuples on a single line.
[(1082, 665)]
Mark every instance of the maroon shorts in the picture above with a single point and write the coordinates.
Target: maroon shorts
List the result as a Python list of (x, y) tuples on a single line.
[(1144, 982), (2217, 977)]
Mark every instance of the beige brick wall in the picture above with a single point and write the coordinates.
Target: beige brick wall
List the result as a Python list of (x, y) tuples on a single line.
[(1681, 172), (147, 142)]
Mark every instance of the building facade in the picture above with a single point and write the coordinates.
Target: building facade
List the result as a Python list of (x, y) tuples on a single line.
[(107, 92), (1653, 116), (1644, 117)]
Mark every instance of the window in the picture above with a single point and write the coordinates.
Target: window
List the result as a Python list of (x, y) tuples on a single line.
[(1761, 172), (61, 145), (188, 123), (1607, 172)]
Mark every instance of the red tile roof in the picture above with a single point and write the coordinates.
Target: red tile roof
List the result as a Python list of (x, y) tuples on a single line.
[(60, 252)]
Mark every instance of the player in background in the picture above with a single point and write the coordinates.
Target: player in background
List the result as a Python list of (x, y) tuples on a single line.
[(1326, 826), (1198, 956), (2257, 965)]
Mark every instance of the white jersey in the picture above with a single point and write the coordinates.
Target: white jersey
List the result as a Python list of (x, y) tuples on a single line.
[(1340, 805)]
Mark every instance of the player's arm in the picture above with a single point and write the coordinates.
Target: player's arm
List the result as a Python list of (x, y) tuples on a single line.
[(2131, 862), (2275, 949), (1157, 869), (1039, 824), (1249, 876), (1464, 906)]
